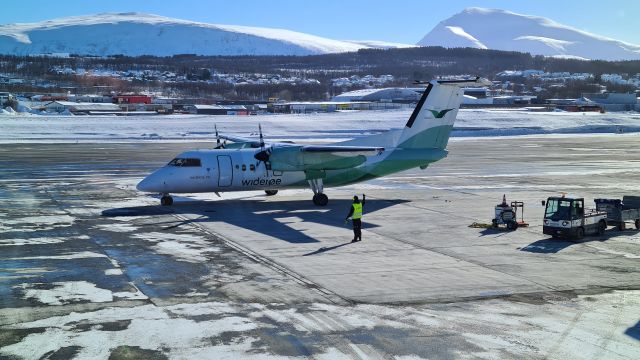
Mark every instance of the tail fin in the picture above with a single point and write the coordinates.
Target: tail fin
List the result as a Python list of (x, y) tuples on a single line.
[(432, 120)]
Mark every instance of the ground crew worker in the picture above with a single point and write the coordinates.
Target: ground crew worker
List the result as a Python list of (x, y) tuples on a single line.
[(356, 217)]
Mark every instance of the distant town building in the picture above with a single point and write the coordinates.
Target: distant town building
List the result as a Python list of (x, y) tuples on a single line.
[(132, 99), (5, 96), (406, 95), (217, 109), (82, 108), (303, 107), (91, 98), (614, 101), (582, 104)]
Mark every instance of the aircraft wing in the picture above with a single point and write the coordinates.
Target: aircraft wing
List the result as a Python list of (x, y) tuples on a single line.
[(246, 142), (318, 157), (344, 151), (241, 142)]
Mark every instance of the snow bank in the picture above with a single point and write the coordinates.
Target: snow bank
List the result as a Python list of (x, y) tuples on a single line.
[(323, 127)]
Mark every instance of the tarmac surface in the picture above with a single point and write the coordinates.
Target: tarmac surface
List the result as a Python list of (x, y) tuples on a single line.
[(93, 269)]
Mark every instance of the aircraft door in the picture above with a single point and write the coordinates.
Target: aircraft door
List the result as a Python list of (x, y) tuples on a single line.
[(225, 171)]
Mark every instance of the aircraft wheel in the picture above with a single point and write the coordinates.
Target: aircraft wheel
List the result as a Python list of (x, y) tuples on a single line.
[(320, 199), (166, 200), (271, 192)]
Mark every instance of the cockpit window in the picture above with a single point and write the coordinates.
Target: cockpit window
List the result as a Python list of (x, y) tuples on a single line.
[(184, 162)]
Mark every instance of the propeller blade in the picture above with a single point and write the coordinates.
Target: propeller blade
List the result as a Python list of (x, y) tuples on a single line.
[(261, 137)]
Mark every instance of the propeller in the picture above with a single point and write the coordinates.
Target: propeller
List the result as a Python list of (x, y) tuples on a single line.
[(217, 136), (264, 153)]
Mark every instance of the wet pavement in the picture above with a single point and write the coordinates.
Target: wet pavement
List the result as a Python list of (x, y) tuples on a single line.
[(93, 269)]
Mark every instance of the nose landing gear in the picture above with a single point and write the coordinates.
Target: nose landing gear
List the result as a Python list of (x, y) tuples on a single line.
[(166, 200)]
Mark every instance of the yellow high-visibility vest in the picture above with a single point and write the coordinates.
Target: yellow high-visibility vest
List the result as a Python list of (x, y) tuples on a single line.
[(357, 211)]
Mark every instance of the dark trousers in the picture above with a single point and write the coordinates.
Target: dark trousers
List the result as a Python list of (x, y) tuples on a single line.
[(357, 229)]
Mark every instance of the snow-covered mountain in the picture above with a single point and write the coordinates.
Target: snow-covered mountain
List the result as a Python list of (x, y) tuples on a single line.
[(143, 34), (504, 30)]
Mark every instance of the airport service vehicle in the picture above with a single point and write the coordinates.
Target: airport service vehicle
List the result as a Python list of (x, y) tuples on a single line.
[(507, 214), (620, 211), (253, 164), (566, 216)]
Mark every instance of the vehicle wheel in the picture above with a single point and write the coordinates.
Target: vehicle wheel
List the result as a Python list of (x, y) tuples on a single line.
[(494, 223), (166, 201), (320, 199), (512, 225), (621, 226), (271, 192), (602, 226), (638, 224), (579, 233)]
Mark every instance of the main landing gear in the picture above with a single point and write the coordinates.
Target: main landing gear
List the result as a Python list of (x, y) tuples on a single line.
[(319, 198), (271, 192), (166, 200)]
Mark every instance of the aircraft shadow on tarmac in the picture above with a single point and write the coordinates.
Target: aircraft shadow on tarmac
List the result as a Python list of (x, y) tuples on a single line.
[(270, 218), (552, 246)]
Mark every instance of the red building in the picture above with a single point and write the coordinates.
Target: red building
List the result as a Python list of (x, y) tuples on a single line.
[(132, 99)]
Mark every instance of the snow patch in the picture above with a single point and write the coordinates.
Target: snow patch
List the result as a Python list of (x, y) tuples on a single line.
[(78, 255), (184, 247), (559, 45), (65, 292), (117, 227), (460, 32)]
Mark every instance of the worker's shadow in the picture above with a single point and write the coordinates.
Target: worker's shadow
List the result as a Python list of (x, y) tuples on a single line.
[(285, 220)]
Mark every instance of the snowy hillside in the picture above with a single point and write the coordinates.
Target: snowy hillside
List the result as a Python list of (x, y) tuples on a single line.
[(142, 34), (504, 30)]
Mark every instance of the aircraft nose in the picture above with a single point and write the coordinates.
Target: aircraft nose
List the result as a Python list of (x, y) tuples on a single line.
[(150, 184)]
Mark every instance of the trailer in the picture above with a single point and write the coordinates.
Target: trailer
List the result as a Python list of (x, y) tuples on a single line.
[(620, 211), (566, 217)]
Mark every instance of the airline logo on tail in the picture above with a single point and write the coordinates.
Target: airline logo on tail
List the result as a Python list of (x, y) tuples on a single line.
[(439, 114)]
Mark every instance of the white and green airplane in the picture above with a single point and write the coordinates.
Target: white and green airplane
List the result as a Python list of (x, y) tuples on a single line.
[(252, 164)]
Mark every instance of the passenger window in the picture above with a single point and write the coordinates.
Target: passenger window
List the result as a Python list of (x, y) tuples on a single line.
[(244, 167), (252, 167)]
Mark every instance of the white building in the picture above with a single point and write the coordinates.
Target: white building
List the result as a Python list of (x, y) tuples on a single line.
[(81, 107), (381, 95), (4, 96)]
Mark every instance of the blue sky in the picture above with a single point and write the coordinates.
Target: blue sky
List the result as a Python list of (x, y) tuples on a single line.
[(405, 21)]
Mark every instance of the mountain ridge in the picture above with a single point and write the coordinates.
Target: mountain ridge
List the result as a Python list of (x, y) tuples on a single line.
[(505, 30), (135, 34)]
